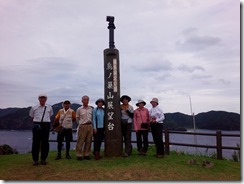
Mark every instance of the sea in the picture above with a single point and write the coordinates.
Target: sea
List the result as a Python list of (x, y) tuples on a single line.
[(22, 141)]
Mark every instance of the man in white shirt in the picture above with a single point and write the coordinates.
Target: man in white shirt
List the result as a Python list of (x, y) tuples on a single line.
[(41, 117), (84, 130)]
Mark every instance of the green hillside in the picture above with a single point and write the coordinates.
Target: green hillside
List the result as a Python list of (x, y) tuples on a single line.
[(18, 119)]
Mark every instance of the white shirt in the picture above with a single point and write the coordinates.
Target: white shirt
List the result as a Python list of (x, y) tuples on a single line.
[(157, 113), (84, 115), (36, 113), (124, 114)]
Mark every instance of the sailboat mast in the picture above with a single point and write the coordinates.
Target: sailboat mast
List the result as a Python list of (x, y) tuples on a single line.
[(193, 116), (194, 124)]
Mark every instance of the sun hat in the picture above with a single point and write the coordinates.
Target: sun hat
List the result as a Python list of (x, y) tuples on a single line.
[(140, 101), (100, 100), (125, 96), (154, 100)]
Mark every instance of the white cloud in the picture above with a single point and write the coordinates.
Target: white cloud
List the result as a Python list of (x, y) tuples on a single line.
[(168, 49), (190, 69)]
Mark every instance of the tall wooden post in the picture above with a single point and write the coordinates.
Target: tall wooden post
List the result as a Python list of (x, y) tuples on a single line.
[(113, 136), (166, 135), (219, 144)]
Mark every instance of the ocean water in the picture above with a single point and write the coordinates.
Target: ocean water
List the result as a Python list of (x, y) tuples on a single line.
[(22, 141)]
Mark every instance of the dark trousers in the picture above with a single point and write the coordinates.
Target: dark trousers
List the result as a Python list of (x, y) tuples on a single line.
[(40, 140), (142, 138), (157, 133), (126, 133), (64, 133), (98, 138)]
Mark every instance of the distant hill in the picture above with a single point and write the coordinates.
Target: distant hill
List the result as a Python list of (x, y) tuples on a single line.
[(18, 119), (215, 119), (177, 121), (212, 120), (4, 112)]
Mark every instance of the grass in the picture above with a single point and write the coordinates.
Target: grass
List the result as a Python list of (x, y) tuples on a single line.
[(173, 167)]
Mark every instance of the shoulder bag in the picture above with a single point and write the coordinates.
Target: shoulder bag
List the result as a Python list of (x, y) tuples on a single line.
[(58, 126), (144, 125)]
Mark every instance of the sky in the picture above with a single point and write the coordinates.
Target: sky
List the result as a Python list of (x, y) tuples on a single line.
[(175, 50)]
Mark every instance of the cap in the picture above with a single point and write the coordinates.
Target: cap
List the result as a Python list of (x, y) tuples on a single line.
[(42, 95), (66, 101)]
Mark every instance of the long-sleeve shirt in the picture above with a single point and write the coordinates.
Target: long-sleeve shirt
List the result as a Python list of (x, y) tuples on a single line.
[(98, 118), (84, 115), (157, 114), (140, 116)]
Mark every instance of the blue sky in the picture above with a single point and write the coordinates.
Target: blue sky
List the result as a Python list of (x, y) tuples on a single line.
[(169, 49)]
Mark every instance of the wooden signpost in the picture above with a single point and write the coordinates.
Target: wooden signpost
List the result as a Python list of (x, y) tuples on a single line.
[(113, 136)]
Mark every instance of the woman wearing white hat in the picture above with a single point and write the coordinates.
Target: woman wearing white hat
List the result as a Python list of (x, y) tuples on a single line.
[(156, 121), (141, 126), (98, 114)]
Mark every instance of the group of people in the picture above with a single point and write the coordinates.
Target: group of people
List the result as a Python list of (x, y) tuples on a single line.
[(91, 123), (142, 119)]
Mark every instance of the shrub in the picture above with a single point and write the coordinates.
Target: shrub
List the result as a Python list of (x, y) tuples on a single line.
[(7, 150), (236, 155)]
